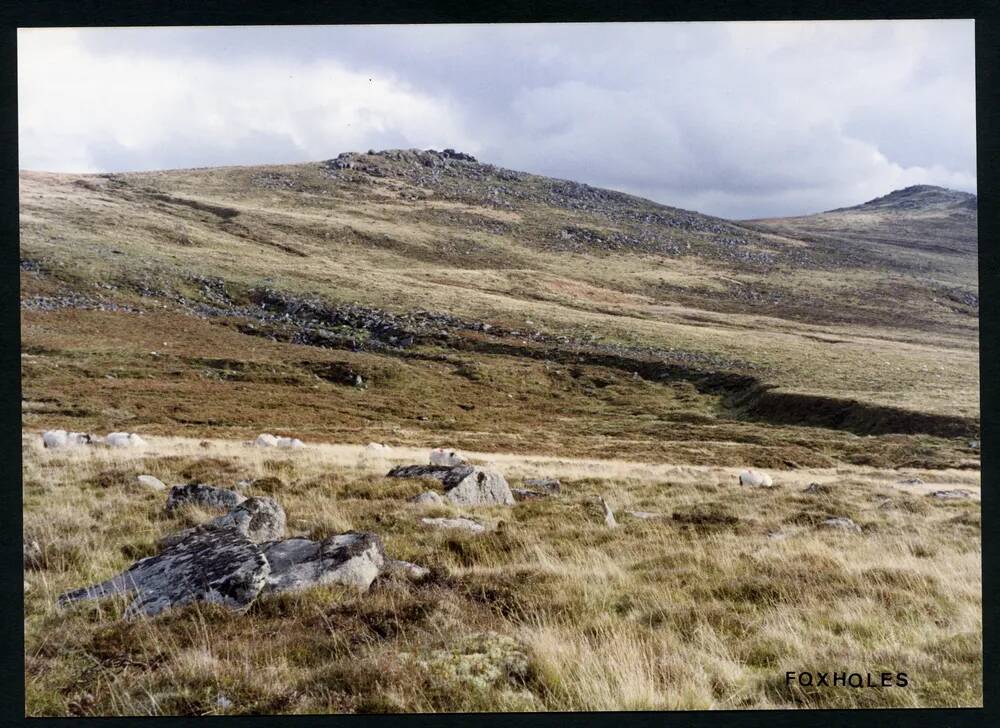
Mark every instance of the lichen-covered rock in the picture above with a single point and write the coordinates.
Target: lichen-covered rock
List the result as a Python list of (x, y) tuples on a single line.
[(206, 496), (464, 524), (464, 485), (470, 486), (210, 565), (259, 519), (351, 559)]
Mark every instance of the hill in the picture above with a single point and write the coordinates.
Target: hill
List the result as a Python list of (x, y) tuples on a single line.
[(443, 281)]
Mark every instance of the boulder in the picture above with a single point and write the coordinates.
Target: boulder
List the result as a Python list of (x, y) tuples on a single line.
[(464, 524), (469, 486), (445, 456), (755, 478), (221, 566), (842, 524), (258, 519), (351, 559), (428, 498), (56, 439), (152, 483), (548, 486), (644, 515), (265, 440), (406, 570), (463, 484), (377, 448), (522, 494), (289, 443), (124, 439), (203, 495)]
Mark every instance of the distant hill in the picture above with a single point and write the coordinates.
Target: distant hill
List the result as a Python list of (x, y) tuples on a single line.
[(923, 217)]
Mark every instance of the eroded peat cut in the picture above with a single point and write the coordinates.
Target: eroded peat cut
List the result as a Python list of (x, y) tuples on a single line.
[(489, 440)]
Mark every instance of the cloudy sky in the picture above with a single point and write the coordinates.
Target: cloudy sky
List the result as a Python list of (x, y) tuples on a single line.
[(733, 119)]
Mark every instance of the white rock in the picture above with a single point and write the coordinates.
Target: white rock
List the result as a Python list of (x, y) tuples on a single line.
[(464, 524), (445, 456), (124, 439), (428, 498), (150, 482), (755, 478), (266, 440)]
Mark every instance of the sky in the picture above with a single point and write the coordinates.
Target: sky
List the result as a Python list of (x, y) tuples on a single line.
[(740, 120)]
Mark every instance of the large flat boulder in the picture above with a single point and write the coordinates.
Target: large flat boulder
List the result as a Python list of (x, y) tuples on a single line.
[(351, 559), (220, 566)]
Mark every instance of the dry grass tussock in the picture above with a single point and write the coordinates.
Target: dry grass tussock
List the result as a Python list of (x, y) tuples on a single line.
[(706, 607)]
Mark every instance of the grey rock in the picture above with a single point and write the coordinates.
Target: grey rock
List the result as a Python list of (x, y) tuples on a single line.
[(911, 481), (203, 495), (843, 524), (465, 485), (464, 524), (406, 570), (212, 565), (644, 515), (522, 494), (351, 559), (956, 494), (550, 486), (471, 486), (259, 519), (817, 488)]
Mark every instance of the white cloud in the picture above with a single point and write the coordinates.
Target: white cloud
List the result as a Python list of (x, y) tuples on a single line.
[(735, 119)]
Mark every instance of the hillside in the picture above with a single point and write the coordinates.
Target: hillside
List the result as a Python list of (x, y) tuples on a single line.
[(641, 354), (473, 300), (932, 227)]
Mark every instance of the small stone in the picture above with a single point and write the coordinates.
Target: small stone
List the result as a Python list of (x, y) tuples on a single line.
[(843, 524), (465, 524), (956, 494), (428, 498)]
